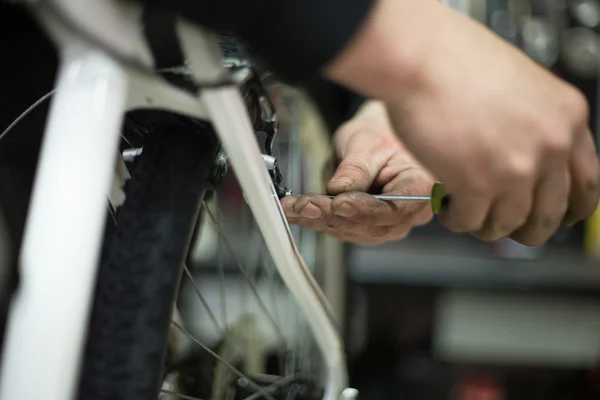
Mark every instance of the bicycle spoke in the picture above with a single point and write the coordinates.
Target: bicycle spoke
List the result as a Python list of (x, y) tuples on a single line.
[(220, 268), (252, 263), (271, 275), (276, 385), (245, 276), (254, 255), (204, 302), (111, 211), (270, 278), (240, 374), (27, 111), (179, 395), (294, 179)]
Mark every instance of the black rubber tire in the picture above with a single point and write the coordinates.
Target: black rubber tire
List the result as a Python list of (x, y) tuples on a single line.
[(141, 266)]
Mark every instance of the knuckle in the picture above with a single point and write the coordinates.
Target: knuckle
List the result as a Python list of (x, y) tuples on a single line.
[(577, 104), (548, 222), (355, 164), (332, 223), (558, 143), (545, 224), (592, 188), (461, 225), (520, 169), (299, 205), (478, 186), (537, 230), (532, 239), (495, 231), (555, 135), (473, 225), (585, 202), (589, 208), (339, 224)]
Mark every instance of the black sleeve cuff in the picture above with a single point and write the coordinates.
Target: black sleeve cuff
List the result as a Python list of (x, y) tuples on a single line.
[(297, 38)]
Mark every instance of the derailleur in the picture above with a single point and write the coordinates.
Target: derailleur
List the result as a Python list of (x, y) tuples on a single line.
[(276, 177), (265, 121), (262, 111)]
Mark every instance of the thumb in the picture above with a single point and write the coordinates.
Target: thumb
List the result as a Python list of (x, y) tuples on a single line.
[(360, 164)]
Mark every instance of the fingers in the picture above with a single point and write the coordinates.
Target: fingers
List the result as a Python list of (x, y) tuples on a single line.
[(529, 218), (531, 211), (585, 182), (315, 212), (507, 214), (362, 159), (467, 212), (363, 208), (311, 210), (549, 208)]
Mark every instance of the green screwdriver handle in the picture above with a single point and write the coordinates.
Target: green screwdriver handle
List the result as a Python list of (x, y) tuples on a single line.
[(439, 197)]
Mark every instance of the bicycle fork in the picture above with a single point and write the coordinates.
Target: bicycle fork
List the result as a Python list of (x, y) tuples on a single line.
[(47, 322)]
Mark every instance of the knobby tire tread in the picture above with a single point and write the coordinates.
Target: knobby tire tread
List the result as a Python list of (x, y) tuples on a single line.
[(140, 269)]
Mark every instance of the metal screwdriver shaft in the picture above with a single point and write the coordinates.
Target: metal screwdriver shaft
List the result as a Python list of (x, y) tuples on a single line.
[(439, 197), (391, 197)]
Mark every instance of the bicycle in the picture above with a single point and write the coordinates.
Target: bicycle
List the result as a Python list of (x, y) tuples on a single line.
[(105, 73)]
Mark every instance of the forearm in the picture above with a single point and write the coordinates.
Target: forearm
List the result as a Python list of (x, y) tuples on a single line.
[(389, 52)]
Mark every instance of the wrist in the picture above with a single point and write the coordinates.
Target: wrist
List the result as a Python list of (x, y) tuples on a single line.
[(388, 51)]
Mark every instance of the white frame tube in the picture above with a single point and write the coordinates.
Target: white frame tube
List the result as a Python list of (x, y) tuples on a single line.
[(64, 229), (227, 111)]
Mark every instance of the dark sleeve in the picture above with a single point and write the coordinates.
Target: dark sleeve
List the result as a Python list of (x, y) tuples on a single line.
[(295, 38), (335, 103)]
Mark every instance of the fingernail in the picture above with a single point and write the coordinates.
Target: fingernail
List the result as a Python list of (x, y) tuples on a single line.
[(345, 210), (567, 221), (287, 203), (310, 211), (342, 182)]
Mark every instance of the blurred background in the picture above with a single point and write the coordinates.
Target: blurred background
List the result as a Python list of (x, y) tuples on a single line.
[(441, 316), (437, 315)]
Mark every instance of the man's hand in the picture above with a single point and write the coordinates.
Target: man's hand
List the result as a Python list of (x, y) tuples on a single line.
[(508, 139), (371, 157)]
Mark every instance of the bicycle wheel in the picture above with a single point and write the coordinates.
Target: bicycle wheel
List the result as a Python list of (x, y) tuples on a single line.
[(232, 299), (139, 275), (141, 265)]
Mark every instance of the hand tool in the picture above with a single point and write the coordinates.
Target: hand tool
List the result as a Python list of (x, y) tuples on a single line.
[(438, 198)]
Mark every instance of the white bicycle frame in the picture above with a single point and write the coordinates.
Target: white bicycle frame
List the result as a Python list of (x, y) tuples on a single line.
[(64, 230)]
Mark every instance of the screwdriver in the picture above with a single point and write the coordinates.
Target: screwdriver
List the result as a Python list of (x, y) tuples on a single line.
[(438, 198)]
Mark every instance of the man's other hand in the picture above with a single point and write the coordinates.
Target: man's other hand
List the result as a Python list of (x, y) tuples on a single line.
[(372, 159)]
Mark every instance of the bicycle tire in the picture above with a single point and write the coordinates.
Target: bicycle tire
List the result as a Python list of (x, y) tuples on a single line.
[(140, 270)]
